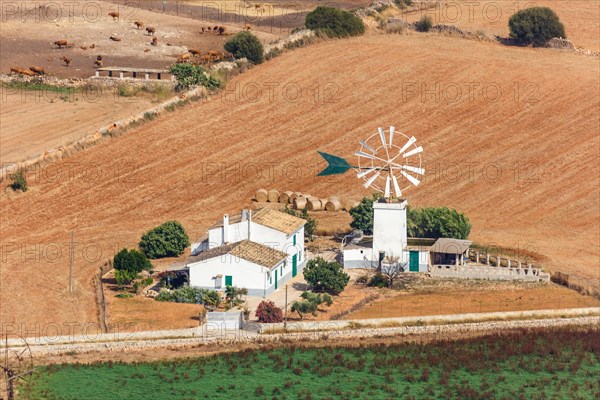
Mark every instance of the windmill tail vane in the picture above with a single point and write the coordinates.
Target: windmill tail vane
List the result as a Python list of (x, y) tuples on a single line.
[(335, 165)]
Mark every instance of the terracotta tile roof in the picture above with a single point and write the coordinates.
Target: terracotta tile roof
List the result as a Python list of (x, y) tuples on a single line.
[(233, 219), (278, 220), (247, 250)]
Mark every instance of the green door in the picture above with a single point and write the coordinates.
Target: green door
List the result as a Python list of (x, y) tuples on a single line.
[(276, 279), (294, 265), (414, 261), (228, 280)]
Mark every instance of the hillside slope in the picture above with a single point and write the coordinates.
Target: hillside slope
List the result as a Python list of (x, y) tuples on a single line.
[(521, 158)]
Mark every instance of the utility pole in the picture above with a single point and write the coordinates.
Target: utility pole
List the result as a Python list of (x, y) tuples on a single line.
[(286, 304), (71, 254)]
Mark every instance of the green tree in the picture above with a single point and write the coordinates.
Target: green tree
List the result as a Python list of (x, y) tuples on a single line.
[(334, 23), (325, 276), (362, 214), (535, 25), (132, 261), (189, 75), (124, 277), (304, 307), (437, 222), (166, 240), (245, 44), (19, 181)]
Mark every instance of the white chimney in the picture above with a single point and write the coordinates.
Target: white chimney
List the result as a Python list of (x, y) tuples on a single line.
[(226, 228)]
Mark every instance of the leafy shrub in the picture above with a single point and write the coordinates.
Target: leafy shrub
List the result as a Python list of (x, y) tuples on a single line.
[(304, 307), (245, 44), (166, 240), (124, 277), (535, 25), (424, 24), (132, 261), (362, 279), (402, 4), (268, 312), (378, 280), (147, 282), (189, 75), (19, 181), (123, 295), (191, 295), (233, 294), (325, 276), (334, 23)]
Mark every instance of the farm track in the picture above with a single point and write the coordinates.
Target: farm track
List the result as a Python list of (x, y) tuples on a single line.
[(142, 341)]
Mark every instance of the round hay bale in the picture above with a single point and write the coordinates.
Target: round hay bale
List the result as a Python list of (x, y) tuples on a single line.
[(261, 195), (285, 197), (295, 195), (314, 204), (333, 205), (350, 204), (299, 203), (273, 196)]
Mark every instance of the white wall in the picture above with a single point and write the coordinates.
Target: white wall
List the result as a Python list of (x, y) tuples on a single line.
[(389, 229), (355, 258)]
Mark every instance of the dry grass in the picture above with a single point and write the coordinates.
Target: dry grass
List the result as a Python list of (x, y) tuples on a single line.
[(143, 184)]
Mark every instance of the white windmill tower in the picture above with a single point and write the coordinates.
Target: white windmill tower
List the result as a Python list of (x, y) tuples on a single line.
[(389, 162)]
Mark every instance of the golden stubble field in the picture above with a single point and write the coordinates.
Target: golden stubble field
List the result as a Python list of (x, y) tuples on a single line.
[(518, 153)]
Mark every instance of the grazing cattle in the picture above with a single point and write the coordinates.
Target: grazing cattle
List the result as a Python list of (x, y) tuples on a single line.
[(114, 15), (98, 63), (150, 31), (115, 39), (247, 27), (202, 31), (93, 46), (99, 58), (215, 28), (209, 29), (139, 24), (222, 30), (38, 70), (154, 41), (61, 43), (66, 60), (83, 47), (194, 52), (184, 58), (146, 50)]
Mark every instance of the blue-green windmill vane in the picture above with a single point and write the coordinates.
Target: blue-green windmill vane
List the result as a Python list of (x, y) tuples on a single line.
[(382, 164)]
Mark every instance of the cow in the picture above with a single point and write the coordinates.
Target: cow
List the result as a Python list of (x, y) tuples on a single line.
[(61, 43), (38, 70), (114, 15), (222, 30), (154, 41), (184, 58), (194, 52), (150, 31), (115, 39), (139, 24), (66, 60)]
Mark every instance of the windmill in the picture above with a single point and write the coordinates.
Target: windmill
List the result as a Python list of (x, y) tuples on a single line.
[(389, 162), (16, 366)]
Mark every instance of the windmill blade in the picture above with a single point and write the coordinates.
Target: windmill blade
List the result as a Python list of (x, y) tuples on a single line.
[(416, 170), (382, 136), (396, 186), (370, 181), (413, 151), (388, 182), (335, 165), (412, 179), (365, 172), (410, 142), (365, 155), (366, 146), (392, 129)]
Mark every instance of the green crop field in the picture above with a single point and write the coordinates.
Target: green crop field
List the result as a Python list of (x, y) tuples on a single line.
[(550, 364)]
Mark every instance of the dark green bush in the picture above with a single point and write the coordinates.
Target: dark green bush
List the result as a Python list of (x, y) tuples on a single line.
[(535, 25), (191, 295), (19, 181), (424, 24), (334, 23), (193, 75), (437, 222), (132, 261), (325, 276), (166, 240), (124, 277), (245, 44), (379, 280)]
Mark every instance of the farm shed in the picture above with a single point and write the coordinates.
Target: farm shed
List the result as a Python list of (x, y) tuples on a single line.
[(446, 251), (247, 264)]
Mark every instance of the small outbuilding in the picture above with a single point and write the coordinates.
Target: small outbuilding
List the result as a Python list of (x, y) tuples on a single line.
[(447, 251)]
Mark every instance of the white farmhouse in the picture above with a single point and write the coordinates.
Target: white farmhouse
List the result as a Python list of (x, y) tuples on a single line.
[(264, 229), (256, 267)]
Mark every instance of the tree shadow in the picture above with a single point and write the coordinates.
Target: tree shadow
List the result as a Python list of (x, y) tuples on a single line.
[(301, 286)]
